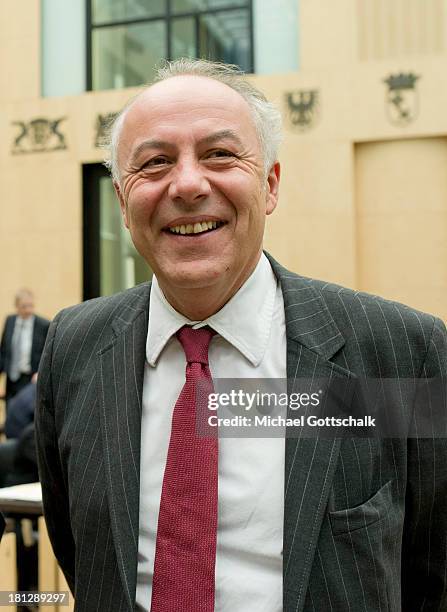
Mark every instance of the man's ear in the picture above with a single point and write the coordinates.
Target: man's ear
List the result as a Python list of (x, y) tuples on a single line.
[(273, 187), (123, 206)]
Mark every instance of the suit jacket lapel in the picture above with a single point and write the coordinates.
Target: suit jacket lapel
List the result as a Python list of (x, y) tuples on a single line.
[(9, 332), (120, 369), (312, 339)]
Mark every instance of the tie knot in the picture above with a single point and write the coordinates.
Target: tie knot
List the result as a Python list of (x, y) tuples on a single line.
[(195, 343)]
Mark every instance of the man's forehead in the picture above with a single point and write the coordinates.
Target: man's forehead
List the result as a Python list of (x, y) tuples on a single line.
[(185, 91), (209, 105)]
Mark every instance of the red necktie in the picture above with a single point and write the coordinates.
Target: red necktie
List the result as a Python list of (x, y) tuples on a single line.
[(185, 553)]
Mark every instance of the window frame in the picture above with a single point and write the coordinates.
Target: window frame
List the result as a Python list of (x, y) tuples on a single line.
[(167, 18)]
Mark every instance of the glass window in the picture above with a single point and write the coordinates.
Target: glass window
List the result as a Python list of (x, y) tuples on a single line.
[(226, 35), (270, 34), (111, 262), (118, 10), (125, 56), (121, 267), (187, 6), (129, 38), (183, 37)]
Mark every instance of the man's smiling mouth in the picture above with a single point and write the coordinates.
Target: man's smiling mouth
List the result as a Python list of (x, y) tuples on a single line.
[(195, 228)]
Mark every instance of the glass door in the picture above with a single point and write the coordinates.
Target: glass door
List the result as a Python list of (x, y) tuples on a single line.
[(111, 262)]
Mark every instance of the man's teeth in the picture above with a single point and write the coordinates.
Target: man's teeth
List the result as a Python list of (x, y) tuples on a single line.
[(197, 228)]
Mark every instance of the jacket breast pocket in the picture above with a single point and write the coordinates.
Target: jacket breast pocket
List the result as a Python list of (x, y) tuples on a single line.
[(375, 509)]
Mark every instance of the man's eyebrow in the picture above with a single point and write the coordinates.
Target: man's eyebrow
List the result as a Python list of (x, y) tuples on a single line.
[(221, 135), (150, 143)]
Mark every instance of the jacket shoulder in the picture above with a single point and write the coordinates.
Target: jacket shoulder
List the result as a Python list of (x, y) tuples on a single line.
[(105, 305), (345, 303), (94, 318), (334, 292), (382, 336), (379, 310)]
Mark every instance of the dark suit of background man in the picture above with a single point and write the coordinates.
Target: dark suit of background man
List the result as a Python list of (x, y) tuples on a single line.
[(22, 343), (302, 524)]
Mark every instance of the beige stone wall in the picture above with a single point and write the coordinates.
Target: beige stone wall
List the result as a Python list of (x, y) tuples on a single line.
[(363, 201), (401, 220), (400, 28), (19, 50)]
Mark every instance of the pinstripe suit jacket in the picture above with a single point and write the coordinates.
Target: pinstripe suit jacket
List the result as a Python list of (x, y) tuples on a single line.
[(365, 520)]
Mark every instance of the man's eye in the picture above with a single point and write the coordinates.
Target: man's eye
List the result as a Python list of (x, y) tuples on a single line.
[(220, 153), (156, 162)]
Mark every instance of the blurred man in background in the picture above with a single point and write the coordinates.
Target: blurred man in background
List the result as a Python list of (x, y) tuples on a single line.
[(22, 343)]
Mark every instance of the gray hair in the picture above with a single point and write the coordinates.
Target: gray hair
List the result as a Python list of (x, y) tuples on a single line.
[(266, 117)]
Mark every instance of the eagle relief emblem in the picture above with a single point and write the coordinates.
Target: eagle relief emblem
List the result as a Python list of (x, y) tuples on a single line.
[(302, 109)]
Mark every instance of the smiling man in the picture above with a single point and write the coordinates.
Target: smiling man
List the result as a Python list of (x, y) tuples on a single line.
[(145, 514), (189, 157)]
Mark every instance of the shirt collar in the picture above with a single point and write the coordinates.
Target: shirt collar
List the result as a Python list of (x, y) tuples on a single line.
[(245, 321)]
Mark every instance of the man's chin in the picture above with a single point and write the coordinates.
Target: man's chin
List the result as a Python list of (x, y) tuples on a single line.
[(191, 281), (194, 275)]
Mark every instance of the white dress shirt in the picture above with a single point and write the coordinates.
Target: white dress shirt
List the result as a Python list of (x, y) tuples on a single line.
[(22, 340), (251, 344)]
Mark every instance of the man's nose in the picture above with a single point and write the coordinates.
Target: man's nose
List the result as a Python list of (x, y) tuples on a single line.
[(188, 182)]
